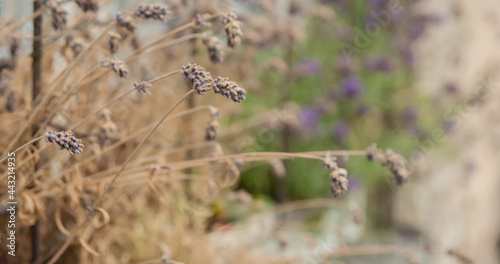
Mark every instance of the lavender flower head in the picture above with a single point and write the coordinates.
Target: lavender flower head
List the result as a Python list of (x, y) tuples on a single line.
[(352, 87), (152, 11), (65, 140), (229, 89), (198, 77)]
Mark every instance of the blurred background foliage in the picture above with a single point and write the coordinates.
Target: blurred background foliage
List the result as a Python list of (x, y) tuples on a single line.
[(348, 98)]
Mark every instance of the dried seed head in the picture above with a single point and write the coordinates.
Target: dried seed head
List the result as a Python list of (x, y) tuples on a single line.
[(371, 152), (126, 21), (107, 128), (211, 130), (330, 162), (87, 5), (13, 47), (10, 105), (339, 182), (114, 41), (198, 77), (143, 87), (7, 64), (105, 114), (228, 88), (153, 11), (72, 47), (58, 13), (397, 164), (214, 112), (232, 27), (200, 22), (117, 65), (65, 140), (4, 86), (214, 47), (58, 17)]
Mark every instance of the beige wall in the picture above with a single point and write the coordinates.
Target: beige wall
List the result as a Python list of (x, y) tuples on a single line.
[(455, 196)]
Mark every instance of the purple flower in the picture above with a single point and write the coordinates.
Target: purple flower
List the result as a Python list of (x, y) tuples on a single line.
[(341, 131), (308, 66), (352, 87), (309, 118)]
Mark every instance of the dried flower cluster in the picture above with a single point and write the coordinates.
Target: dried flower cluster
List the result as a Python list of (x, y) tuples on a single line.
[(87, 5), (200, 22), (142, 87), (58, 13), (72, 48), (214, 47), (114, 41), (211, 130), (117, 65), (65, 140), (198, 77), (229, 89), (232, 27), (153, 11), (202, 82), (126, 21), (106, 126), (395, 162), (371, 152), (340, 183)]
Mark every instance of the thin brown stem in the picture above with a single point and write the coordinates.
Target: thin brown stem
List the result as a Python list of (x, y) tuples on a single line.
[(116, 98), (23, 146), (56, 84), (124, 165)]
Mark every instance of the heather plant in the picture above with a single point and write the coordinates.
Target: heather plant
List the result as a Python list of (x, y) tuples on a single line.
[(128, 91)]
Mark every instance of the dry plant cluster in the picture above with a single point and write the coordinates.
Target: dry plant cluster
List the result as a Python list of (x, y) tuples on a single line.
[(143, 163)]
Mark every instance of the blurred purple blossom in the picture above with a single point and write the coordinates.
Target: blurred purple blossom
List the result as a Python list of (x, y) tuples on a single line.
[(341, 131), (354, 183), (309, 118), (308, 66), (352, 87)]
